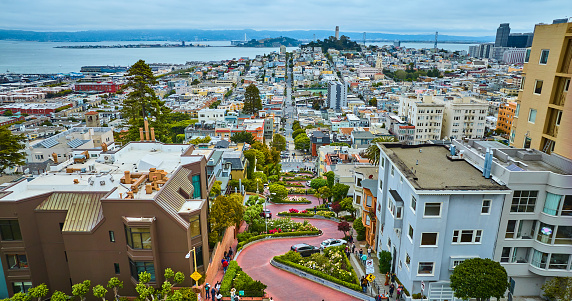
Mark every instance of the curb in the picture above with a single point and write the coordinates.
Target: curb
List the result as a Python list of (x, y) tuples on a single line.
[(271, 238), (321, 281)]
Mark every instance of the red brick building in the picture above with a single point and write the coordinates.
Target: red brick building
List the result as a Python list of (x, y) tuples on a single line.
[(108, 87)]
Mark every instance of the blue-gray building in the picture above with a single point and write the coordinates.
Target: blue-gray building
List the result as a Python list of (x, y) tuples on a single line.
[(434, 211)]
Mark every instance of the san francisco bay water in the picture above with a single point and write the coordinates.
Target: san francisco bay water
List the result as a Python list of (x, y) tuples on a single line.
[(41, 57)]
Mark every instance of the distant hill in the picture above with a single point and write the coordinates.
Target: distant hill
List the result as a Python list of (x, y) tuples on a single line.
[(343, 43), (217, 35), (274, 42)]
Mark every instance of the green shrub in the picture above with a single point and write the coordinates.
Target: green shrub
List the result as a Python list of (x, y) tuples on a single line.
[(417, 296), (251, 287), (326, 213), (360, 229), (226, 283), (384, 262), (244, 236), (188, 294)]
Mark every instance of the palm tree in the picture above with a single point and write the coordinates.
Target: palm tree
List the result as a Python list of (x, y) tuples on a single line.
[(372, 152)]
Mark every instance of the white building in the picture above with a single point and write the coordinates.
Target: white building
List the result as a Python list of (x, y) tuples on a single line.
[(211, 115), (464, 116), (423, 113), (337, 95)]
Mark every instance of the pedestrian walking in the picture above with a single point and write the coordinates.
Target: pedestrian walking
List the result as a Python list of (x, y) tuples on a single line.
[(360, 253), (369, 252), (225, 254), (387, 278), (363, 258), (364, 284), (232, 293), (207, 290), (353, 248), (392, 277), (230, 252), (217, 286), (219, 296), (224, 265), (391, 289), (213, 294)]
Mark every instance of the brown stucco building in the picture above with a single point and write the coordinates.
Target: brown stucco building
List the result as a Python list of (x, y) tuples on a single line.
[(115, 214)]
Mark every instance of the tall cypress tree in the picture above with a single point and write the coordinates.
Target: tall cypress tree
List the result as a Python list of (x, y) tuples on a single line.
[(252, 102), (142, 102), (11, 149)]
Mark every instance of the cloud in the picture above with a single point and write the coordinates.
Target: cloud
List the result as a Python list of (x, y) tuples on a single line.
[(409, 16)]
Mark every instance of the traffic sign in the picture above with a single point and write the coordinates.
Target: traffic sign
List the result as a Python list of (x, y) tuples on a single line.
[(370, 277), (369, 266), (196, 276)]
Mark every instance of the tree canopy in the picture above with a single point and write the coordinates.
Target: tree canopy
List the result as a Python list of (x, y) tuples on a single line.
[(558, 288), (302, 142), (226, 211), (242, 137), (340, 191), (277, 192), (11, 149), (141, 102), (278, 142), (373, 152), (252, 102), (479, 278), (318, 183)]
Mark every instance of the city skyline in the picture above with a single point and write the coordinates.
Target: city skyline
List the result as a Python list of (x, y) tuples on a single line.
[(444, 16)]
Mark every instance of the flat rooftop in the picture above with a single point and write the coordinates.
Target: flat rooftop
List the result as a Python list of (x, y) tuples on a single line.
[(427, 167)]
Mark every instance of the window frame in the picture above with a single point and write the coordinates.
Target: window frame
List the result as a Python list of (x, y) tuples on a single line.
[(426, 274), (411, 233), (18, 263), (542, 52), (520, 198), (192, 219), (429, 246), (458, 234), (488, 207), (413, 204), (130, 238), (10, 224), (433, 216), (537, 88), (133, 268), (531, 118), (407, 260)]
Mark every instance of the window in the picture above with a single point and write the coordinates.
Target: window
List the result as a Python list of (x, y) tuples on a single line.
[(558, 261), (566, 85), (392, 170), (505, 255), (137, 267), (539, 259), (567, 206), (410, 234), (545, 233), (457, 262), (195, 226), (17, 261), (10, 230), (425, 268), (382, 162), (538, 87), (429, 239), (367, 220), (111, 236), (467, 236), (551, 203), (138, 238), (197, 186), (407, 260), (413, 204), (116, 268), (199, 251), (510, 227), (527, 55), (563, 235), (398, 212), (368, 201), (558, 117), (532, 116), (358, 182), (486, 207), (523, 201), (358, 199), (544, 56), (432, 209), (21, 286), (380, 184)]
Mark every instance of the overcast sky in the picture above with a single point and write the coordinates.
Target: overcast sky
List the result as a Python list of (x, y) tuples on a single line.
[(453, 17)]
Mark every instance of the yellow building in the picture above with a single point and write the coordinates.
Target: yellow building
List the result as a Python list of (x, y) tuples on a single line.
[(543, 116)]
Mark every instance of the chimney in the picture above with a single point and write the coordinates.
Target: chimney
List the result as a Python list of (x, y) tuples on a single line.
[(146, 130), (104, 147), (152, 134), (453, 150), (55, 157), (141, 134), (127, 177)]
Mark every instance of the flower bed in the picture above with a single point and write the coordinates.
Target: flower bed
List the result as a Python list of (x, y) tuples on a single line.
[(280, 227), (292, 202), (333, 266), (301, 191), (327, 214), (293, 184), (235, 277)]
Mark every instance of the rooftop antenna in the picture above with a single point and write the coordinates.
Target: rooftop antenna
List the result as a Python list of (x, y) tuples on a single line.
[(436, 35)]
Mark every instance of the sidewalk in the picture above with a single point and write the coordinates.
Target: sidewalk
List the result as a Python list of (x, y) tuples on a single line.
[(378, 285)]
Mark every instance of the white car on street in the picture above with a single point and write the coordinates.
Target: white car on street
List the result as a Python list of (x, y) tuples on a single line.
[(332, 242)]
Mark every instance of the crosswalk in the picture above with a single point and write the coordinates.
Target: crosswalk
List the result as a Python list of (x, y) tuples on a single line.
[(293, 160)]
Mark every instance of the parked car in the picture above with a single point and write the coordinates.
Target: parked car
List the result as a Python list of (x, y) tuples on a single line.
[(308, 183), (332, 242), (305, 249), (266, 213)]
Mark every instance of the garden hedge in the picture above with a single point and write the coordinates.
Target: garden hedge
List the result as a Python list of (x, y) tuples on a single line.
[(226, 283), (281, 234), (292, 202), (353, 286)]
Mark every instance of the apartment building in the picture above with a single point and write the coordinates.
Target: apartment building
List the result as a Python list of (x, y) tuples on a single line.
[(337, 95), (141, 209), (435, 211), (463, 116), (506, 116), (423, 113), (544, 106), (534, 241)]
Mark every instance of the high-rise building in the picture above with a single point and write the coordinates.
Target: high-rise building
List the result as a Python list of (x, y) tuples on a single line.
[(337, 95), (337, 32), (544, 106), (502, 35)]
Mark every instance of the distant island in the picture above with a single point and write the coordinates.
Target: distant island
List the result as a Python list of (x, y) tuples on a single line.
[(342, 44), (182, 44), (271, 42)]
